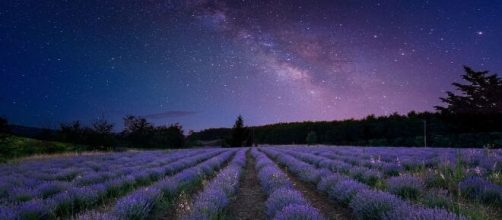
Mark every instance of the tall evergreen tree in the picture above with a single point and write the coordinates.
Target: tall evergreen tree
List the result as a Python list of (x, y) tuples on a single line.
[(239, 133), (481, 95), (311, 138)]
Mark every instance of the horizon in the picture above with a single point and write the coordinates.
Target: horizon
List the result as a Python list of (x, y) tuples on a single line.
[(201, 63)]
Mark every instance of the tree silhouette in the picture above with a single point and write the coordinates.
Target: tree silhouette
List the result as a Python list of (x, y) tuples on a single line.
[(481, 95), (311, 138), (239, 133), (72, 132), (101, 134), (169, 137), (138, 131), (4, 125)]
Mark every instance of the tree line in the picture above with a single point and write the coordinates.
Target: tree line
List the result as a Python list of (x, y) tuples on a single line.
[(138, 132), (471, 116)]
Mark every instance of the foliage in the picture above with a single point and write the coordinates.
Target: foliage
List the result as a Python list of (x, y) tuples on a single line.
[(4, 125), (391, 130), (168, 137), (239, 133), (138, 133), (311, 138), (482, 94), (14, 147)]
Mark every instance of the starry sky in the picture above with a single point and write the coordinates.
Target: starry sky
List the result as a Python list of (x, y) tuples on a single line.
[(203, 62)]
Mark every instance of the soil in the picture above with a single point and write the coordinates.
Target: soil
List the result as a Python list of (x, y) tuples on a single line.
[(250, 200)]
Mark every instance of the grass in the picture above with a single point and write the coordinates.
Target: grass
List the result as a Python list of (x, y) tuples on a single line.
[(14, 147)]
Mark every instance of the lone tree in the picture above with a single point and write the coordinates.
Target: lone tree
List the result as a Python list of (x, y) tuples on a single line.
[(101, 134), (72, 132), (239, 133), (169, 136), (311, 138), (138, 131), (481, 95)]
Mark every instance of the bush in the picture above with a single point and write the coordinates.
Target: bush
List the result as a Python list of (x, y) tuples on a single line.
[(281, 198), (477, 188), (406, 186), (298, 212), (345, 190), (369, 204)]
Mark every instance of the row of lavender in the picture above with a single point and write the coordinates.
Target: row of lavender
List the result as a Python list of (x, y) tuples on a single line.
[(456, 175), (146, 202), (216, 196), (30, 179), (95, 179), (483, 162), (366, 202), (449, 178), (283, 200)]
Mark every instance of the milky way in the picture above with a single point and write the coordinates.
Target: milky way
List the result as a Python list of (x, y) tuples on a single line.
[(203, 62)]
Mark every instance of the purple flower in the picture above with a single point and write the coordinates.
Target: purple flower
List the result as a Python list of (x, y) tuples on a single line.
[(408, 212), (369, 204), (406, 186), (281, 198), (345, 190), (478, 188), (7, 213), (329, 181), (371, 177), (21, 194), (34, 209), (392, 169), (50, 188), (298, 212), (271, 178), (138, 204), (209, 204), (94, 215)]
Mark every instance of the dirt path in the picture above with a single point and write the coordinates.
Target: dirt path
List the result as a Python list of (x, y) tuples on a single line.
[(250, 201), (330, 209)]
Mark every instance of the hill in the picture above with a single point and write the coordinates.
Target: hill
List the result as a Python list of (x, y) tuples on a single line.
[(12, 147)]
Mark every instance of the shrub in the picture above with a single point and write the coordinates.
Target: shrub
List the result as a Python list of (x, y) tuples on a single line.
[(406, 186), (369, 204), (329, 181), (481, 189), (392, 169), (409, 212), (371, 177), (345, 190), (298, 212), (138, 205), (281, 198)]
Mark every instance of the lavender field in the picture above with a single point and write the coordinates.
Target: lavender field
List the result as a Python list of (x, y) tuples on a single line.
[(257, 183)]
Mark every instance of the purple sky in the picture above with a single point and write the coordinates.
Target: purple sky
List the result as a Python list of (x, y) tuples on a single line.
[(201, 62)]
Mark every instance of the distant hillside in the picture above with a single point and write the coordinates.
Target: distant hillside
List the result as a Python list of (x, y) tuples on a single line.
[(31, 132), (12, 147)]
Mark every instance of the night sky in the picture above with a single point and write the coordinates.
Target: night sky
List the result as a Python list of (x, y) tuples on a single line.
[(202, 62)]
